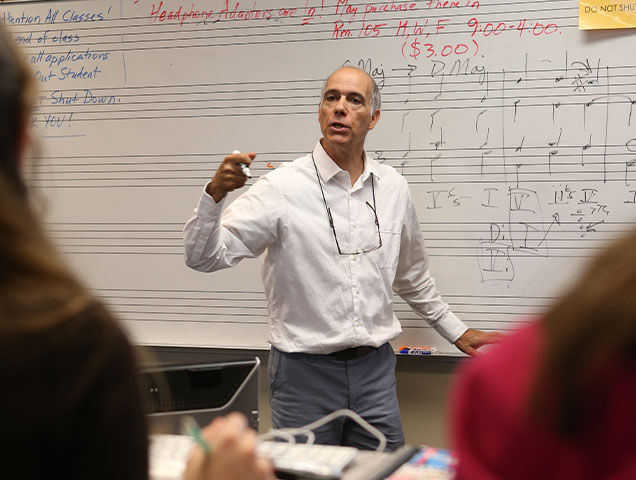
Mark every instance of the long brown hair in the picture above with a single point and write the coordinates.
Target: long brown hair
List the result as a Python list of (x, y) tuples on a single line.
[(36, 289), (593, 325), (17, 91), (69, 371)]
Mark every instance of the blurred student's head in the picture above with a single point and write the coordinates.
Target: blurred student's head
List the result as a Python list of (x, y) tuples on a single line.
[(16, 99), (590, 327), (36, 289)]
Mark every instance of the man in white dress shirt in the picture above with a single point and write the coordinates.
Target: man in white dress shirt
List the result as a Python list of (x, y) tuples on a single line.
[(340, 235)]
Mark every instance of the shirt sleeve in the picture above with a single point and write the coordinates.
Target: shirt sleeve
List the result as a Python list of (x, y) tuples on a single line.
[(215, 239), (414, 283)]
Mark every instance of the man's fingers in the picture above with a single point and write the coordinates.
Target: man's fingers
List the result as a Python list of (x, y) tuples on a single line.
[(230, 175), (472, 339), (232, 178), (236, 180), (490, 338), (238, 158), (232, 165)]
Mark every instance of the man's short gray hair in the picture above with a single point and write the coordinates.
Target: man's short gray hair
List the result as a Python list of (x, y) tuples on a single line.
[(376, 101)]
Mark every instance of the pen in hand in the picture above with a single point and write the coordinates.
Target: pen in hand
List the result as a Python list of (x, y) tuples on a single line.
[(189, 426), (232, 451)]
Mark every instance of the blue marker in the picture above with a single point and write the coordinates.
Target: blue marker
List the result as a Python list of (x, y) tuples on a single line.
[(244, 167)]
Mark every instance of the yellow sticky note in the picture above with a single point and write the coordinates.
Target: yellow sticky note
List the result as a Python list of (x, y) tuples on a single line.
[(601, 14)]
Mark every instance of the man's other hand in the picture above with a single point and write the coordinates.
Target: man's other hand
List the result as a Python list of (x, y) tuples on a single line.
[(472, 339)]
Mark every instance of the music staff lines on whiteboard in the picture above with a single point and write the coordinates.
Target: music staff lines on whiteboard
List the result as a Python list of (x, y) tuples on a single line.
[(192, 182), (61, 232), (461, 75), (181, 320), (57, 228), (162, 309), (260, 104), (525, 302), (454, 166), (470, 226), (188, 296), (511, 310), (165, 305), (207, 157), (63, 115), (436, 252), (460, 303), (119, 240)]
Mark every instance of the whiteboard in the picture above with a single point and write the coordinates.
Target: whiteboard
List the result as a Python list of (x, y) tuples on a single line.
[(513, 128)]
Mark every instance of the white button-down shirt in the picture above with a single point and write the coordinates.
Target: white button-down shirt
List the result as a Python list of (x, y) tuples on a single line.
[(320, 301)]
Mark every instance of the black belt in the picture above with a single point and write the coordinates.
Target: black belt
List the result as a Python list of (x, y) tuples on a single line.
[(353, 352)]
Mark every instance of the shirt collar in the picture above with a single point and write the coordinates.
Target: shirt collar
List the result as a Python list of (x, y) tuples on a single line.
[(328, 168)]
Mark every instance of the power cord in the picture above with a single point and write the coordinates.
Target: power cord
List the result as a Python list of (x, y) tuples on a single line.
[(289, 434)]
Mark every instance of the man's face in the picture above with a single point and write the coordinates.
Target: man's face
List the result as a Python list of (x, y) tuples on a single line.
[(345, 110)]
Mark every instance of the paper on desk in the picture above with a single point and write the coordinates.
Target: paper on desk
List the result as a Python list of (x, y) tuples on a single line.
[(168, 456)]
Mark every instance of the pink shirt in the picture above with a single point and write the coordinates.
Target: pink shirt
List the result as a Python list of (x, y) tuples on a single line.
[(494, 439)]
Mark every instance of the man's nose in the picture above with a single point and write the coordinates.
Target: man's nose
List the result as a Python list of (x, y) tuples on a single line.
[(341, 105)]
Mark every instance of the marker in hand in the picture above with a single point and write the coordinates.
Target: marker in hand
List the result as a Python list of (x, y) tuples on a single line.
[(244, 167), (189, 426)]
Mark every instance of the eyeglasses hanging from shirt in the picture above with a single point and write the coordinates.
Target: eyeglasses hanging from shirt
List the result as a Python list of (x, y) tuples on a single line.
[(330, 218)]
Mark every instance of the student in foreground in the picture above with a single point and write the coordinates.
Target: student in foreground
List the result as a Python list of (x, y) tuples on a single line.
[(557, 400), (71, 404)]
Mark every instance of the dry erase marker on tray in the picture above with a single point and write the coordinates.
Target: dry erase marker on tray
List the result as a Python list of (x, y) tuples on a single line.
[(418, 351), (244, 167)]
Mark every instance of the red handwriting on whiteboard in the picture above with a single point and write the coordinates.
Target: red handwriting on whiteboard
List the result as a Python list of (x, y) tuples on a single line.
[(181, 14), (524, 27)]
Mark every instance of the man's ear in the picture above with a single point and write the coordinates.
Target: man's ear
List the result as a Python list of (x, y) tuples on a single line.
[(375, 118)]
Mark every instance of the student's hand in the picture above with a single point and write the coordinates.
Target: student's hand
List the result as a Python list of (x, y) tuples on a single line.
[(229, 176), (472, 339), (233, 455)]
